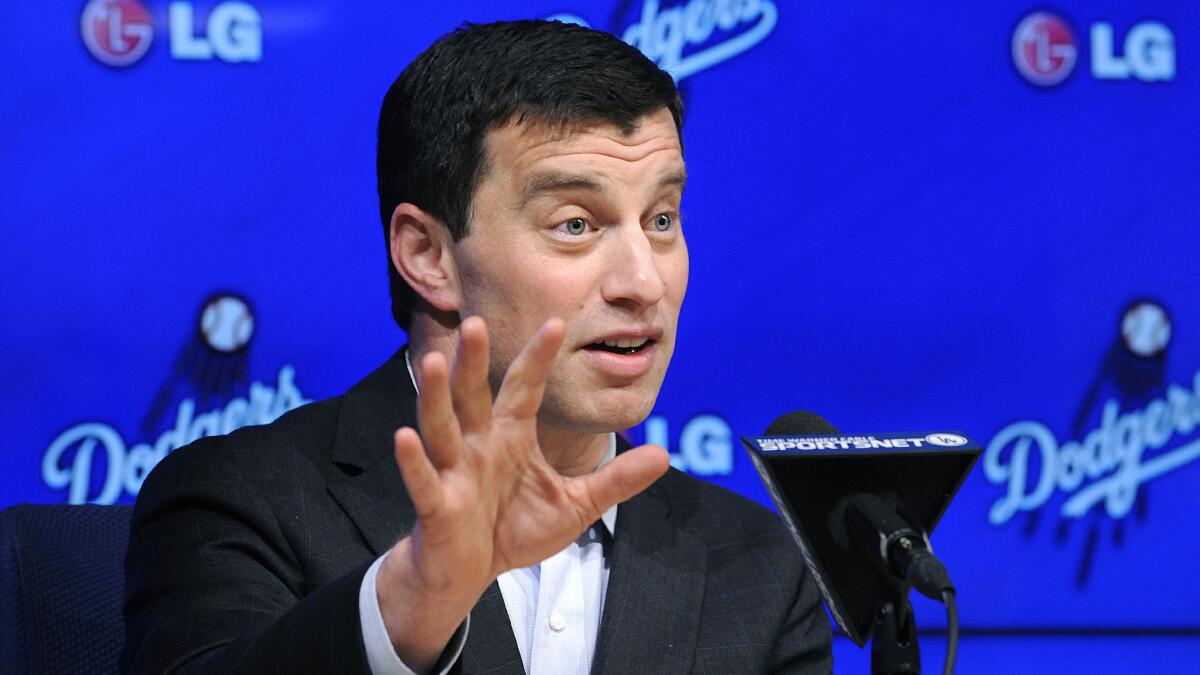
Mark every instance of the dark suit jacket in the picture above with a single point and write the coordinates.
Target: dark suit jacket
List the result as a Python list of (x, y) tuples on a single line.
[(247, 552)]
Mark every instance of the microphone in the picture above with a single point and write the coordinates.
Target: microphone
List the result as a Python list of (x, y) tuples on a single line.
[(861, 508), (874, 523)]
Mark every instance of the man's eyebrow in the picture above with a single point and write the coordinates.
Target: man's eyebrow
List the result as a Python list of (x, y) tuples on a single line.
[(677, 177), (554, 181)]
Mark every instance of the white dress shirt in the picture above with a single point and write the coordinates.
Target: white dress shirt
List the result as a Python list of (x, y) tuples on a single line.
[(554, 607)]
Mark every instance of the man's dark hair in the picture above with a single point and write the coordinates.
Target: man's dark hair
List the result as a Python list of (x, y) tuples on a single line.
[(438, 111)]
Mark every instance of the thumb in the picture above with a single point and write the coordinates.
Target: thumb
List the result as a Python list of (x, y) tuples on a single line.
[(625, 476)]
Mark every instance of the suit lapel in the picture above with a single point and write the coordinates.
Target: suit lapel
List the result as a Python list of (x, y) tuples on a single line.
[(370, 490), (491, 646), (368, 485), (376, 503), (656, 585)]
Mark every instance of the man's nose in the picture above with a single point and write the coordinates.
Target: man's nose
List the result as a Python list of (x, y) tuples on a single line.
[(633, 277)]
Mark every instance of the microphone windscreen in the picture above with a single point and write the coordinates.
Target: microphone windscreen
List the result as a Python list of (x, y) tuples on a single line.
[(800, 423), (810, 480)]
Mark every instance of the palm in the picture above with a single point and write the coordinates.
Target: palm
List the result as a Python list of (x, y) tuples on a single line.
[(486, 499), (544, 513)]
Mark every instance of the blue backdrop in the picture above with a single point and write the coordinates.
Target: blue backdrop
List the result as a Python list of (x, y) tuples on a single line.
[(900, 217)]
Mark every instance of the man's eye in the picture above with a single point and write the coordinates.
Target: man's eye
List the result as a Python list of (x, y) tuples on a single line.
[(662, 222), (574, 226)]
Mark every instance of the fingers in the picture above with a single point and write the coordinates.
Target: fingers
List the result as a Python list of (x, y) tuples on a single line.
[(420, 477), (625, 476), (435, 412), (470, 391), (521, 394)]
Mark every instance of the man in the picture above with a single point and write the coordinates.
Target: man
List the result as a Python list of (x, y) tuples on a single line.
[(530, 179)]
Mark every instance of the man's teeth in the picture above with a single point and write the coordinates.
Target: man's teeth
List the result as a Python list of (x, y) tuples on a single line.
[(626, 343)]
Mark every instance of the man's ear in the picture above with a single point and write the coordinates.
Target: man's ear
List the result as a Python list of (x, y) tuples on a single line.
[(421, 249)]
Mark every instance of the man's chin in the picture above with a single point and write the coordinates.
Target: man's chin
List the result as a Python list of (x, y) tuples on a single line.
[(605, 413)]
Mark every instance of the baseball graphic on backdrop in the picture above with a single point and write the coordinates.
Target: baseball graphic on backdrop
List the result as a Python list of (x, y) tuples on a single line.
[(1145, 328), (227, 323)]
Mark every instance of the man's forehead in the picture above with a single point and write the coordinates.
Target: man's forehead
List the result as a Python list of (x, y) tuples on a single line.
[(530, 132), (551, 181), (527, 149), (533, 124)]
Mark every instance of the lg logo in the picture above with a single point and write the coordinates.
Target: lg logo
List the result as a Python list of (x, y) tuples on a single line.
[(118, 32), (1044, 50), (1149, 53)]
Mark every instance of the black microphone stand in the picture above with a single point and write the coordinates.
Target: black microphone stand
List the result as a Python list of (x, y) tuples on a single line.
[(894, 641), (877, 526)]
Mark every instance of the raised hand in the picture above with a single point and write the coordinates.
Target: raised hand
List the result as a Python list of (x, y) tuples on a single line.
[(486, 499)]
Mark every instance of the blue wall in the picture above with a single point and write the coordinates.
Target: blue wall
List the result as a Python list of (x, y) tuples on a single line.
[(891, 223)]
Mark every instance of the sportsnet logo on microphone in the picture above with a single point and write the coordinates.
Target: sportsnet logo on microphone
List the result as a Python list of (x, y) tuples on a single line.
[(1132, 427), (94, 463), (868, 443)]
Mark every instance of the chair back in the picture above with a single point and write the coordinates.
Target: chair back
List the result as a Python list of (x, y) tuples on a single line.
[(61, 585)]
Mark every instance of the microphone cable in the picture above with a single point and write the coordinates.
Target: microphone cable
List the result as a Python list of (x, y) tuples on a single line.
[(951, 631)]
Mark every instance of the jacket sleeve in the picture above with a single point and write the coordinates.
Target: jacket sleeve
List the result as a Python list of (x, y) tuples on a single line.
[(213, 585)]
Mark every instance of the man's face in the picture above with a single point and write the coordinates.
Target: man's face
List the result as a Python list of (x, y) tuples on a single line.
[(581, 224)]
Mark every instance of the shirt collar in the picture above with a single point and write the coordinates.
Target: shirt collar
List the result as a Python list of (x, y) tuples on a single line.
[(610, 516)]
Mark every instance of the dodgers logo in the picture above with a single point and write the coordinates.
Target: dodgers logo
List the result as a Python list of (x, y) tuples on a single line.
[(689, 37), (664, 35), (1143, 430), (208, 381)]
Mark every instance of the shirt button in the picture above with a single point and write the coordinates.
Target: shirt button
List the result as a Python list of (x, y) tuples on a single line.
[(557, 622)]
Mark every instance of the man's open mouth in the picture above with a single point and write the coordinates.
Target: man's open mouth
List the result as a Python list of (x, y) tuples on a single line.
[(621, 345)]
